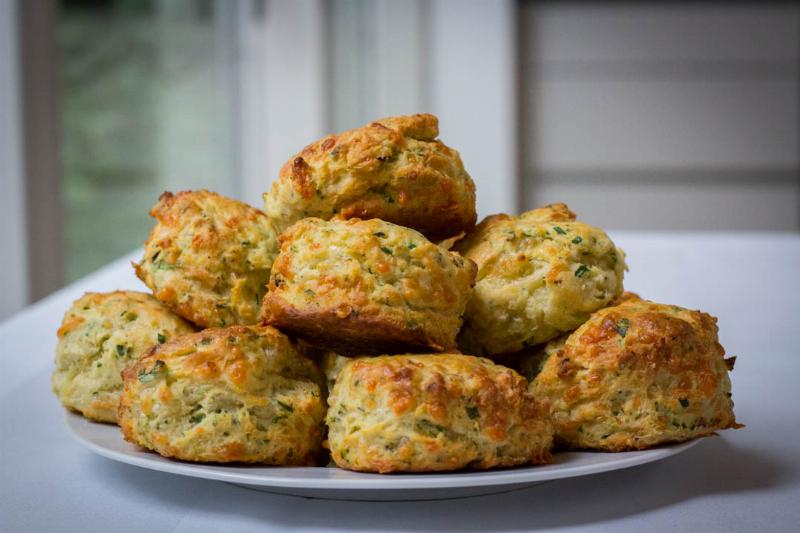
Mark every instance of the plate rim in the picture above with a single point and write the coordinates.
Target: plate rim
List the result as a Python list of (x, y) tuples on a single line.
[(272, 476)]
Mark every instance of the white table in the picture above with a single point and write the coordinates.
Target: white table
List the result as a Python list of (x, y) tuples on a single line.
[(745, 480)]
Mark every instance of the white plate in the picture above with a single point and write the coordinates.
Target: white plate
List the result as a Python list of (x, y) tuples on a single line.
[(334, 483)]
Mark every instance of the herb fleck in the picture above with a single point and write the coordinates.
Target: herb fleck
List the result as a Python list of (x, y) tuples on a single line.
[(196, 419), (146, 376), (386, 250), (286, 406), (684, 402), (581, 270), (161, 339), (472, 412), (622, 327), (379, 234), (120, 350), (559, 231), (577, 240), (411, 246)]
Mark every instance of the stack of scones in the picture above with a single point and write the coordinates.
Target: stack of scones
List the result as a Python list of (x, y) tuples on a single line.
[(364, 317)]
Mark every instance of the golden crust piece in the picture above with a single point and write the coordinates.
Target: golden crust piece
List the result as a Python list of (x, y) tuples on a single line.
[(636, 375), (208, 257), (221, 395), (393, 169), (367, 287), (101, 334), (539, 274), (419, 413)]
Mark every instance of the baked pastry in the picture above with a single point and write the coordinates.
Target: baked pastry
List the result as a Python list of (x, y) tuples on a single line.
[(367, 287), (418, 413), (101, 334), (393, 169), (636, 375), (539, 275), (208, 257), (331, 364), (230, 394)]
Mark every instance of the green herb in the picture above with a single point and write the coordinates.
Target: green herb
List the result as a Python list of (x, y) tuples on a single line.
[(196, 419), (386, 250), (379, 234), (161, 339), (581, 270), (560, 231), (472, 412), (245, 243), (278, 418), (120, 350), (146, 376), (99, 364), (577, 240), (622, 327), (205, 341), (411, 246), (684, 402), (426, 427), (155, 255), (286, 406)]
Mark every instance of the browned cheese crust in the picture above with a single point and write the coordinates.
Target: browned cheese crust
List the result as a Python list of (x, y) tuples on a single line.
[(367, 287), (238, 394), (208, 257), (439, 412), (636, 375), (393, 169)]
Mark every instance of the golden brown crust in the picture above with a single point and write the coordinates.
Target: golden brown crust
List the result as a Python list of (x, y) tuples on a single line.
[(237, 394), (366, 287), (393, 169), (208, 257), (540, 274), (439, 412), (638, 374), (101, 334)]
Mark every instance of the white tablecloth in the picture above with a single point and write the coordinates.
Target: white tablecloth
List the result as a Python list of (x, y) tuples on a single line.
[(745, 480)]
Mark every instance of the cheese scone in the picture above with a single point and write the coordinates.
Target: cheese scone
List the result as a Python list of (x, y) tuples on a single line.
[(209, 257), (100, 335), (635, 375), (540, 274), (367, 287), (437, 412), (240, 394), (394, 169)]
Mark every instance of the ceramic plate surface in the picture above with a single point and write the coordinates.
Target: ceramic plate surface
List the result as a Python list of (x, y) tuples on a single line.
[(334, 483)]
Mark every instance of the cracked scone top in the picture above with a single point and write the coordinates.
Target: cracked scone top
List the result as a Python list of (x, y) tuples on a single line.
[(635, 375), (540, 274), (367, 287), (100, 335), (208, 257), (240, 394), (394, 169), (434, 412)]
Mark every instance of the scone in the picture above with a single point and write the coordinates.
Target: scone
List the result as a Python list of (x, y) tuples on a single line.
[(539, 275), (367, 287), (101, 334), (636, 375), (230, 394), (331, 363), (209, 257), (439, 412), (393, 169)]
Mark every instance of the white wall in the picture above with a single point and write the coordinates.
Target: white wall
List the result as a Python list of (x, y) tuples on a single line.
[(663, 115), (13, 260)]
